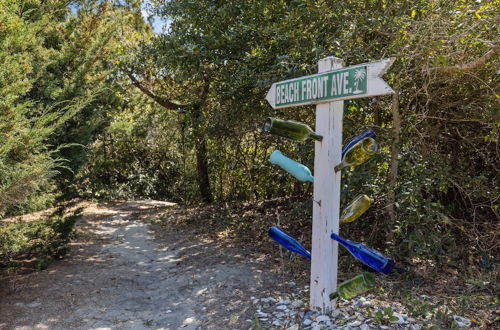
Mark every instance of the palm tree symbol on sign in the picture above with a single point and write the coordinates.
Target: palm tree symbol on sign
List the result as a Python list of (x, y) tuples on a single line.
[(359, 76)]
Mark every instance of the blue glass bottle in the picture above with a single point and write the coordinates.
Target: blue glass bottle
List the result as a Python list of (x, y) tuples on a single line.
[(277, 234), (366, 133), (367, 255), (299, 171)]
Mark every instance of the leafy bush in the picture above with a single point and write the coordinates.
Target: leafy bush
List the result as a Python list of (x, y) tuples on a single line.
[(41, 239), (51, 75), (134, 158)]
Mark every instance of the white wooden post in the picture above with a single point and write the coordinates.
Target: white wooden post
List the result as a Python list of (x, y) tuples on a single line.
[(332, 82), (326, 207)]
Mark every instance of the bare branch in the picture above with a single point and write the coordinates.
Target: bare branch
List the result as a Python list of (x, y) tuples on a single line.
[(457, 120), (158, 99), (471, 65)]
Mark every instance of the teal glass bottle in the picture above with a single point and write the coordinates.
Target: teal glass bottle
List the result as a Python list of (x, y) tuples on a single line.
[(299, 171)]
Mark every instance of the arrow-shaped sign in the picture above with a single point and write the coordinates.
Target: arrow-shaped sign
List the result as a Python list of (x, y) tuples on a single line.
[(362, 80)]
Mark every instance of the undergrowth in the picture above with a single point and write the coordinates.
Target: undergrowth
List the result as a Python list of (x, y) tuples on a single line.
[(429, 289), (34, 244)]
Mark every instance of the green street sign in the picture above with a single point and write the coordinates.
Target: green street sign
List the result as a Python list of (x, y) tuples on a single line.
[(357, 81)]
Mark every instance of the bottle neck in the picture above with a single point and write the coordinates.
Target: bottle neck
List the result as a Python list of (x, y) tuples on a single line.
[(316, 136), (340, 166), (339, 239)]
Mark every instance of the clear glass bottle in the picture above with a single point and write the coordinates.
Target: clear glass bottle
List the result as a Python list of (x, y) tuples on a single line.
[(299, 171), (288, 241), (358, 153), (366, 133), (357, 207), (290, 129), (370, 257), (355, 286)]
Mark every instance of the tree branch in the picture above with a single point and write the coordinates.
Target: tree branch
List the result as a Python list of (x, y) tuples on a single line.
[(457, 120), (158, 99), (471, 65)]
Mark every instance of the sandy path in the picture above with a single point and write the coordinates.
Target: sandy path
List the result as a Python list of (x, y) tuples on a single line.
[(120, 277)]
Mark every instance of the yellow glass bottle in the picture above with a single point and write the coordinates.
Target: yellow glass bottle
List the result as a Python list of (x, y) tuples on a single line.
[(358, 153), (357, 207)]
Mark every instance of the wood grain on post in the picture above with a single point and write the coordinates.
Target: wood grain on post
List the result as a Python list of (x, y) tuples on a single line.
[(326, 208)]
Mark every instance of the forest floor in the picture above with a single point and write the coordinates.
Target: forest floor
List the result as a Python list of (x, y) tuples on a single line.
[(118, 275), (149, 264)]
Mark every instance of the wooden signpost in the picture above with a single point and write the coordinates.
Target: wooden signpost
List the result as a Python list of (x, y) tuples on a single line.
[(333, 84)]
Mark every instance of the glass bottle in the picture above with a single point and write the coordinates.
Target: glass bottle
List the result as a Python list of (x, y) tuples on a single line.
[(355, 286), (370, 257), (357, 207), (366, 133), (299, 171), (360, 152), (289, 242), (290, 129)]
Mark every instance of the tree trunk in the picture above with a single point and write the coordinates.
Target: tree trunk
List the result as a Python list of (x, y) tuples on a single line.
[(201, 157), (393, 168), (202, 166), (199, 137)]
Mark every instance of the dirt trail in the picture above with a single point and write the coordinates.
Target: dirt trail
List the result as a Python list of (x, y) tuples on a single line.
[(119, 277)]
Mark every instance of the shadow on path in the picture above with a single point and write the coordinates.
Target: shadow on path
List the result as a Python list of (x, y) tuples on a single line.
[(118, 276)]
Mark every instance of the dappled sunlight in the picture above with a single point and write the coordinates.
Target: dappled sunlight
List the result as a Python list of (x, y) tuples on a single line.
[(123, 277), (189, 320), (97, 106), (169, 259)]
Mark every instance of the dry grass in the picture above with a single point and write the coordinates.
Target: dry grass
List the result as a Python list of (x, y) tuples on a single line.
[(426, 291)]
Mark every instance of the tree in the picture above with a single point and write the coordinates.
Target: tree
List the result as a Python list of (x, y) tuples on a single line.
[(211, 63), (27, 164), (56, 67), (445, 108)]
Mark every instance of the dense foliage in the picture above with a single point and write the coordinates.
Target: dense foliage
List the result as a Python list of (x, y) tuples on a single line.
[(56, 65), (39, 241), (181, 112), (46, 90)]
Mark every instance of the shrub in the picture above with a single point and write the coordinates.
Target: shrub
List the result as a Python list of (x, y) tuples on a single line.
[(40, 239)]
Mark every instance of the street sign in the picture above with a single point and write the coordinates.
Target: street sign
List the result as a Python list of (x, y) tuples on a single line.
[(333, 84), (362, 80)]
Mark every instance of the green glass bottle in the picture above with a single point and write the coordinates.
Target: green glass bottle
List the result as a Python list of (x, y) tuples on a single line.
[(357, 207), (290, 129), (355, 286), (358, 153)]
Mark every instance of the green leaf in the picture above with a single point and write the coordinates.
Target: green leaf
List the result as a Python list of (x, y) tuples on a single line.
[(393, 318)]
